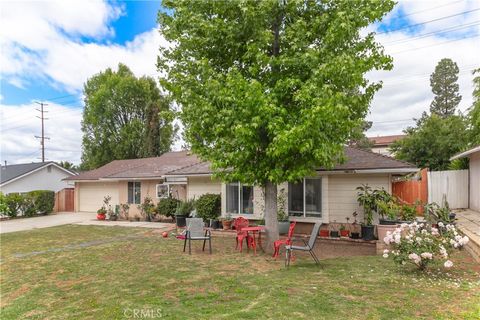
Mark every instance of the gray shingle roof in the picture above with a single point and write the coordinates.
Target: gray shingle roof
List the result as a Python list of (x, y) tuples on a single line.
[(140, 168), (355, 159), (12, 171), (185, 163)]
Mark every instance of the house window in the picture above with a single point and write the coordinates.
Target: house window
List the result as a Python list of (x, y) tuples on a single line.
[(305, 198), (239, 198), (163, 191), (134, 194)]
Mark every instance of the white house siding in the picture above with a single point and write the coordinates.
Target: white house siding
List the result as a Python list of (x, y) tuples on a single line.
[(90, 195), (39, 180), (342, 193), (475, 181), (198, 186)]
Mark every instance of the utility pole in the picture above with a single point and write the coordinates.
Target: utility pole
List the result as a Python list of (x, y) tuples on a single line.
[(42, 138)]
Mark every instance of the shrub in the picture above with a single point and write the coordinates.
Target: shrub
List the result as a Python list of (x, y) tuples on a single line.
[(185, 208), (208, 206), (167, 206), (4, 208), (147, 208), (15, 203), (421, 244), (43, 201)]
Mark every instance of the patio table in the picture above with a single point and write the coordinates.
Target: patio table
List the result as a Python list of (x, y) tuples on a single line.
[(254, 230)]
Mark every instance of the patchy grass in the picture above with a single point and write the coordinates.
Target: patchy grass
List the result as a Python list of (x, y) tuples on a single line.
[(73, 275)]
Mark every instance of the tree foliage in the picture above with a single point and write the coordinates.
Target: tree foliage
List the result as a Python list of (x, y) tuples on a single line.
[(359, 139), (445, 88), (271, 89), (125, 117), (433, 141), (474, 111)]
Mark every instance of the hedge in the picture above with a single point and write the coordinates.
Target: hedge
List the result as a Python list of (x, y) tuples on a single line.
[(208, 206), (167, 206), (28, 204)]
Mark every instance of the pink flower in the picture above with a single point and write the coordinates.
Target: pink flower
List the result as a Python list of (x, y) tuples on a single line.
[(448, 264)]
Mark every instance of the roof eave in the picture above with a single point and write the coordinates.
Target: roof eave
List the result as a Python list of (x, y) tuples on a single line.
[(465, 153)]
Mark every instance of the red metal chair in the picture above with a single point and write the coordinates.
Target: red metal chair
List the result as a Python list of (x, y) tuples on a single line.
[(285, 242), (240, 223)]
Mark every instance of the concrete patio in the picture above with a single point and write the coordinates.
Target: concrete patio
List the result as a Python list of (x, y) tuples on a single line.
[(468, 222), (81, 218)]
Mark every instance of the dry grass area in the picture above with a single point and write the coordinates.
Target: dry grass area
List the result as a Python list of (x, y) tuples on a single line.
[(90, 272)]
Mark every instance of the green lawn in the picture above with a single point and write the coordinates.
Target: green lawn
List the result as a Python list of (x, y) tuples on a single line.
[(66, 273)]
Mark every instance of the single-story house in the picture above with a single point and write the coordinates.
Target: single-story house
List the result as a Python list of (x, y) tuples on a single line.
[(34, 176), (473, 176), (381, 144), (327, 196)]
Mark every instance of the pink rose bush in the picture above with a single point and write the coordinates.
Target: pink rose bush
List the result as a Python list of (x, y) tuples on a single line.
[(421, 244)]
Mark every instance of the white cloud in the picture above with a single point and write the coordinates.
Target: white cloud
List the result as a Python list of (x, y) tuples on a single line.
[(406, 91), (42, 41), (20, 125)]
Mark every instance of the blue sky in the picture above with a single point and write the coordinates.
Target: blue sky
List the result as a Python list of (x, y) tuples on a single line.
[(49, 49), (138, 17)]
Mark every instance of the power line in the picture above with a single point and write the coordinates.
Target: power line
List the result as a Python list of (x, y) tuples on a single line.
[(42, 138), (426, 35), (429, 9), (436, 44), (429, 21)]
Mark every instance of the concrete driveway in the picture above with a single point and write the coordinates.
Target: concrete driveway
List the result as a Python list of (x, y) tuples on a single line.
[(81, 218)]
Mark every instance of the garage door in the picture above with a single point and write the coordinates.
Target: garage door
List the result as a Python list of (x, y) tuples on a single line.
[(91, 195)]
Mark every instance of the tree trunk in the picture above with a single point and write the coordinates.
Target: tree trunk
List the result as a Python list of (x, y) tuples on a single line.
[(271, 221)]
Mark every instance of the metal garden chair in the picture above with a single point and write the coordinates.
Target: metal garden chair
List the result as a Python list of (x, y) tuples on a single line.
[(195, 231), (308, 246)]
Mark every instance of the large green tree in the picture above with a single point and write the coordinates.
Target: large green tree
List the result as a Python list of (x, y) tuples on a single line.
[(358, 137), (270, 90), (432, 142), (125, 117), (445, 88), (474, 111)]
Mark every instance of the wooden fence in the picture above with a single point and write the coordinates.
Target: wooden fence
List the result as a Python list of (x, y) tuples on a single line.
[(64, 200), (412, 191), (452, 184)]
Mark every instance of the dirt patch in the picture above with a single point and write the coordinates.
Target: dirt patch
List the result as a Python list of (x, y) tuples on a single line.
[(14, 295), (67, 284)]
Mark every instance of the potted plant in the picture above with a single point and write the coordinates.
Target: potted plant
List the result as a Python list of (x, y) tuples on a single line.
[(124, 209), (227, 221), (208, 208), (354, 234), (324, 233), (183, 212), (366, 198), (344, 232), (147, 209), (101, 213), (390, 212), (334, 230), (113, 214)]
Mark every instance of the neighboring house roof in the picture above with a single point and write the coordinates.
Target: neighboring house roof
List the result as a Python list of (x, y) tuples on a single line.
[(466, 153), (12, 172), (355, 159), (384, 141), (183, 163), (144, 168)]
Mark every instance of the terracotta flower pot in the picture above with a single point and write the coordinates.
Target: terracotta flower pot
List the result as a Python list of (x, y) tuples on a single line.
[(227, 224), (324, 233), (344, 233), (101, 216), (382, 230)]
